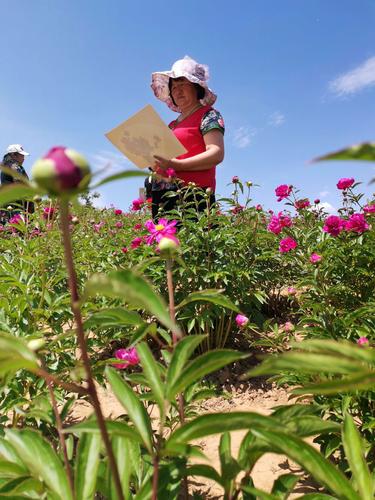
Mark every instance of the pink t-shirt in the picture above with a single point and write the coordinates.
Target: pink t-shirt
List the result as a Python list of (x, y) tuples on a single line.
[(188, 132)]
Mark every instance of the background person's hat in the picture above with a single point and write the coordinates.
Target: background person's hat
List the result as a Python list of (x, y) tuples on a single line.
[(188, 68), (16, 148)]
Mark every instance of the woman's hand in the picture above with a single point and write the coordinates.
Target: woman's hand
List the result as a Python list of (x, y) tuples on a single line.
[(162, 163)]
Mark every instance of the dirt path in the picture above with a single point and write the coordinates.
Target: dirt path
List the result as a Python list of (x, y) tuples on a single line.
[(245, 397)]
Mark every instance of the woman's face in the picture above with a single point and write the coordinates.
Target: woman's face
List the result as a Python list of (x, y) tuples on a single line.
[(19, 158), (184, 93)]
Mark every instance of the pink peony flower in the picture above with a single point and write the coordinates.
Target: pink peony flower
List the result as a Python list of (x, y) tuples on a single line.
[(283, 191), (333, 225), (136, 243), (137, 204), (48, 212), (258, 208), (291, 290), (235, 179), (16, 219), (301, 204), (363, 341), (288, 327), (129, 355), (369, 208), (118, 211), (164, 228), (345, 183), (357, 224), (137, 227), (237, 209), (119, 225), (274, 225), (124, 250), (170, 172), (287, 244), (97, 227), (241, 320), (314, 258), (317, 201)]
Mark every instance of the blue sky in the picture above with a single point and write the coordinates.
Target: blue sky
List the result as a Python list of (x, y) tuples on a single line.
[(294, 78)]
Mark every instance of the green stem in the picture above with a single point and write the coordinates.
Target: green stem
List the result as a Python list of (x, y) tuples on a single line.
[(64, 221)]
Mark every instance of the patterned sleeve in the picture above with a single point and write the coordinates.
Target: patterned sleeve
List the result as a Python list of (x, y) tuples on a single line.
[(212, 120)]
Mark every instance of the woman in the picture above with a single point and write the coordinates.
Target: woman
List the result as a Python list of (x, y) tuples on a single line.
[(13, 160), (199, 128)]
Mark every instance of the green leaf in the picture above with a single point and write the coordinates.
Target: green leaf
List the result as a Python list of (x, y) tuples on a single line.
[(41, 460), (141, 332), (364, 151), (182, 352), (15, 191), (134, 289), (113, 317), (8, 453), (217, 423), (127, 455), (362, 381), (134, 408), (284, 485), (354, 451), (125, 174), (10, 469), (203, 470), (317, 496), (201, 366), (210, 295), (87, 463), (310, 425), (152, 374), (229, 466), (342, 348), (310, 460), (113, 428)]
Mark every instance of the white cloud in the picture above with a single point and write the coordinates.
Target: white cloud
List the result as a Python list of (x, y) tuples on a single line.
[(242, 136), (327, 207), (108, 161), (355, 80), (323, 194), (276, 119)]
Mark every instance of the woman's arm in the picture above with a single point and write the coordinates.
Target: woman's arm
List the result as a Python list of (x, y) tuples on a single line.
[(214, 154)]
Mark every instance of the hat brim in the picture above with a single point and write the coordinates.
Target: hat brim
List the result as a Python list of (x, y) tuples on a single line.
[(159, 85)]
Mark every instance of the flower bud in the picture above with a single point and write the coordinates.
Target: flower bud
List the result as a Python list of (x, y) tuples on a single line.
[(208, 191), (168, 246), (36, 344), (249, 183), (37, 198), (61, 171), (75, 220)]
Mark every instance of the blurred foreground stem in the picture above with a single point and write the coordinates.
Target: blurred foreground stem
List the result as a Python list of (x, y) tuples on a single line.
[(64, 221)]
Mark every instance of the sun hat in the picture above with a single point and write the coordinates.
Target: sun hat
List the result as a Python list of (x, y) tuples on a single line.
[(16, 148), (188, 68)]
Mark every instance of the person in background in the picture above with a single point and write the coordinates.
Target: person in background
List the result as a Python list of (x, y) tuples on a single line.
[(199, 127), (13, 159)]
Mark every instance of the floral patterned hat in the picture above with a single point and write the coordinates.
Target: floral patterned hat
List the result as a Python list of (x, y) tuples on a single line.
[(190, 69)]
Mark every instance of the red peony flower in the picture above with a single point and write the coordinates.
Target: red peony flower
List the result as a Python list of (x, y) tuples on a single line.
[(345, 183)]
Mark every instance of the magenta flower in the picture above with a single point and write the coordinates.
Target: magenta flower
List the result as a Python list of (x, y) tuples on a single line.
[(16, 219), (137, 227), (241, 320), (345, 183), (258, 208), (274, 225), (48, 212), (363, 341), (137, 204), (164, 228), (314, 258), (237, 209), (119, 225), (124, 250), (317, 201), (61, 170), (287, 244), (357, 224), (369, 208), (291, 290), (301, 204), (333, 225), (170, 172), (118, 211), (235, 179), (283, 191), (129, 356), (97, 227), (136, 243)]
